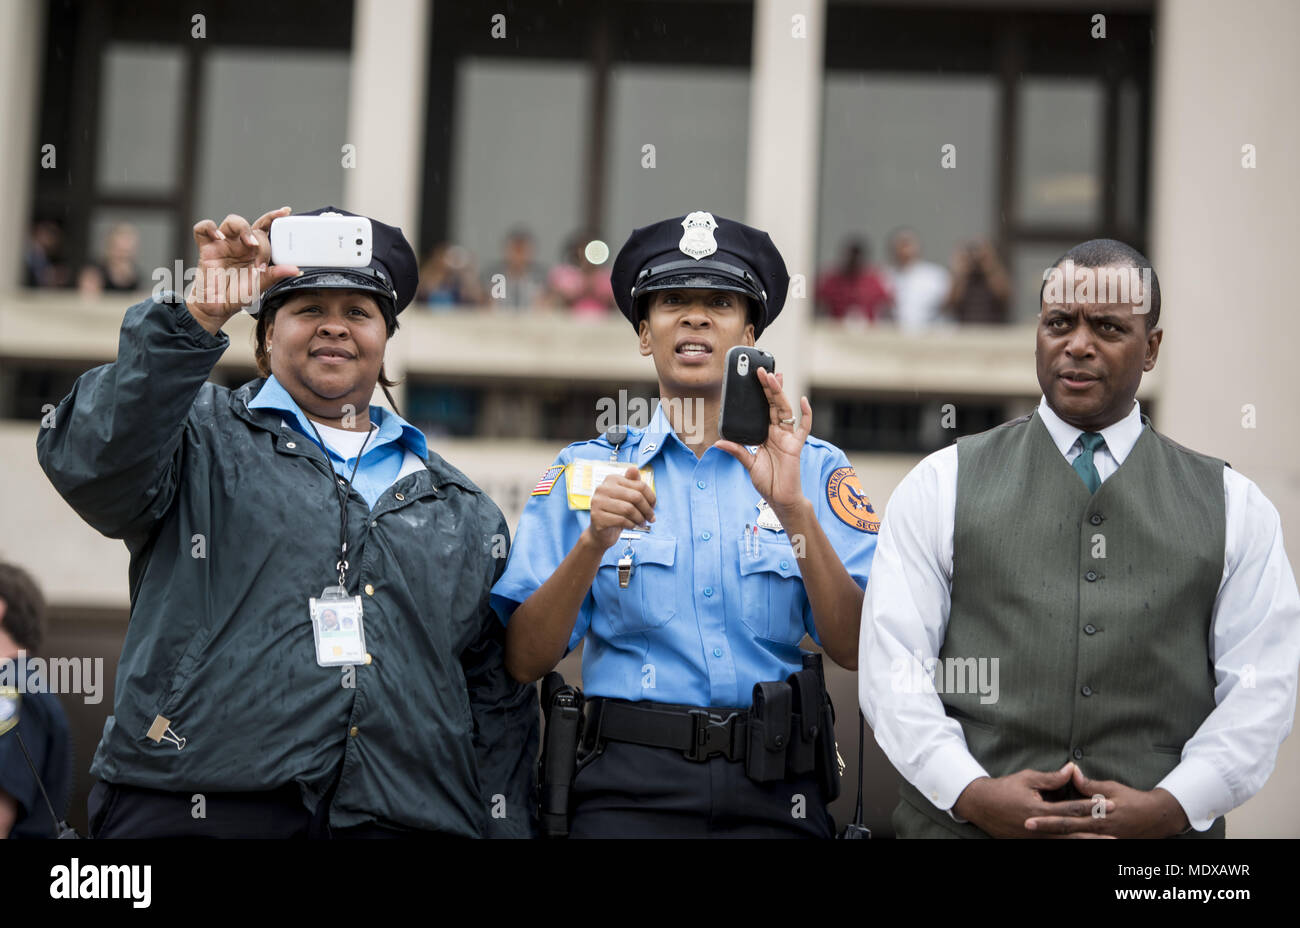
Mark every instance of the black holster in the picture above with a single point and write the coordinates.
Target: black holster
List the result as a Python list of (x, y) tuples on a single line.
[(827, 751), (562, 709)]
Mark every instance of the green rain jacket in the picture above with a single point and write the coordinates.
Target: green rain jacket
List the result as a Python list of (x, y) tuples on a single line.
[(231, 519)]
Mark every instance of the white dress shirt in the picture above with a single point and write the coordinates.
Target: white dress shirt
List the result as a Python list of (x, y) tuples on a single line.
[(1254, 636)]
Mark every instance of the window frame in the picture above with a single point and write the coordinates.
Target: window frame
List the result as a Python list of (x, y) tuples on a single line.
[(79, 33)]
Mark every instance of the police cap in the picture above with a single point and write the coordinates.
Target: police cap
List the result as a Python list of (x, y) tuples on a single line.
[(391, 277), (700, 250)]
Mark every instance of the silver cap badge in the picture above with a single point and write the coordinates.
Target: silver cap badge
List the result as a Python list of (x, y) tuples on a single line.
[(698, 242)]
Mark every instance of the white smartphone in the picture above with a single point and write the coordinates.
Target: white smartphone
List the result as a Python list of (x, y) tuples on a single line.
[(327, 240)]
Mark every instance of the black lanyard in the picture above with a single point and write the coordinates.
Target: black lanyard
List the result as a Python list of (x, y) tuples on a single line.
[(342, 489)]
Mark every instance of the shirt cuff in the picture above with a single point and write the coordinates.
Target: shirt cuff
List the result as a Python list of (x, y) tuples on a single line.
[(1200, 790), (503, 606), (948, 771)]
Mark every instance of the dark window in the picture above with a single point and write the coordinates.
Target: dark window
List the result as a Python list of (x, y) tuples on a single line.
[(881, 424), (547, 128), (28, 389), (1048, 127), (153, 127)]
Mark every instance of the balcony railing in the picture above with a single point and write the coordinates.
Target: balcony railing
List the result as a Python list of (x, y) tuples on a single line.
[(968, 361)]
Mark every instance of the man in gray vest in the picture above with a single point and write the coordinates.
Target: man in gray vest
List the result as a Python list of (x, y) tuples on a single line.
[(1075, 626)]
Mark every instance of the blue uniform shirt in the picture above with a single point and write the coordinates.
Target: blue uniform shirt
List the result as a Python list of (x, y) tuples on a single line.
[(381, 461), (703, 619)]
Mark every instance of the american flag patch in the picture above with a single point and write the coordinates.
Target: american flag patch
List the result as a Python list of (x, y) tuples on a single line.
[(547, 482)]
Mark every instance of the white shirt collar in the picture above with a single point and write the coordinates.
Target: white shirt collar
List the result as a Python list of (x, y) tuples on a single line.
[(1120, 436)]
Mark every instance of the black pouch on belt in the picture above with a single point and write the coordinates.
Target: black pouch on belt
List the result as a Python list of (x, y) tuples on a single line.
[(806, 690), (769, 732), (562, 706)]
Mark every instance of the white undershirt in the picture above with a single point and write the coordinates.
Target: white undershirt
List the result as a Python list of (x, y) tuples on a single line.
[(344, 442), (1254, 636), (347, 444)]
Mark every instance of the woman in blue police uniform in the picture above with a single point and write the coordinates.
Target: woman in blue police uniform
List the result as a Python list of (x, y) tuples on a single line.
[(694, 567)]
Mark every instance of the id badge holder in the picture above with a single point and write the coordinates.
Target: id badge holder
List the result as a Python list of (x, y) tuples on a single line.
[(337, 629), (583, 476)]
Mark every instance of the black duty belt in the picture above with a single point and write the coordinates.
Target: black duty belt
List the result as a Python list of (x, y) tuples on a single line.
[(787, 732), (696, 732)]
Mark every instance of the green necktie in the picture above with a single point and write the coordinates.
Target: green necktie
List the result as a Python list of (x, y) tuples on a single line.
[(1083, 465)]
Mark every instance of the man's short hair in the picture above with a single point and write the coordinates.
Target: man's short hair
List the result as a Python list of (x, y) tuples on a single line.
[(24, 614), (1105, 252)]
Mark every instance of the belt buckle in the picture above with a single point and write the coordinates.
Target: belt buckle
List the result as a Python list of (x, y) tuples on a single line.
[(711, 734)]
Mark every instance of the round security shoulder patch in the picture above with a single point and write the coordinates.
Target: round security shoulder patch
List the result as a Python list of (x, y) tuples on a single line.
[(849, 502)]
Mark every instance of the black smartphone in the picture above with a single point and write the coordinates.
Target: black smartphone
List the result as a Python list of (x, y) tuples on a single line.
[(745, 415)]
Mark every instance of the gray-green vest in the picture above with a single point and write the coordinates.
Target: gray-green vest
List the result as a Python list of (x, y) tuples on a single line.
[(1101, 659)]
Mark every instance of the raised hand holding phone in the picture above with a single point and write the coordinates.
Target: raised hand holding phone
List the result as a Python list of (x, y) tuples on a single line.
[(234, 267), (774, 466)]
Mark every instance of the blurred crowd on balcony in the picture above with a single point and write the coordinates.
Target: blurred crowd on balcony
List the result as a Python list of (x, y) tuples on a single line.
[(907, 289), (912, 292)]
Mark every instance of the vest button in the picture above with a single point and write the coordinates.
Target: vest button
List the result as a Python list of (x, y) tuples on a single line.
[(291, 444), (1087, 690), (1090, 629), (1090, 576), (1096, 519), (1077, 754)]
